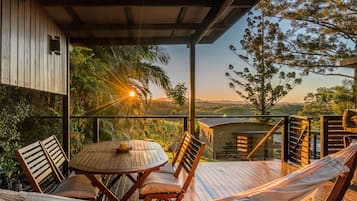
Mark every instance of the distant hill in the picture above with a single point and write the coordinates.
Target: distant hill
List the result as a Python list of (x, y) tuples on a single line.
[(198, 100), (161, 100), (164, 106), (222, 101)]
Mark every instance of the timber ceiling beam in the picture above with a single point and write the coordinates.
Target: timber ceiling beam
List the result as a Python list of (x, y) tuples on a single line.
[(73, 14), (130, 41), (129, 20), (211, 18), (220, 28), (129, 15), (179, 20), (201, 3), (110, 27)]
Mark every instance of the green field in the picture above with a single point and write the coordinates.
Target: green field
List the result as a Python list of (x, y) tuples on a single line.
[(164, 107)]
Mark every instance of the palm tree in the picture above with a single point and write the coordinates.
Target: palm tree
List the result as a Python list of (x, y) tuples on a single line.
[(132, 68), (102, 77)]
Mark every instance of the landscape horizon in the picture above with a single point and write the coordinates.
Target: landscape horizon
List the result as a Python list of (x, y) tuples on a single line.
[(223, 101)]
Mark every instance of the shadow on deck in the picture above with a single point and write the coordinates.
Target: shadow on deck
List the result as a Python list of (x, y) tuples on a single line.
[(220, 179)]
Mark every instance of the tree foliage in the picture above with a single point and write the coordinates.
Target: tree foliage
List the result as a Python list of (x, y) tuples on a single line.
[(133, 68), (177, 94), (87, 87), (101, 79), (321, 33), (13, 112), (263, 82), (329, 101)]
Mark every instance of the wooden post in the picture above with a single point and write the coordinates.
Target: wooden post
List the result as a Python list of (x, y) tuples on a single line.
[(355, 85), (66, 119), (323, 136), (285, 140), (184, 125), (192, 88)]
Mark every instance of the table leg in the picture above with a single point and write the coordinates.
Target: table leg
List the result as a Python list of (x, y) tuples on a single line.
[(117, 177), (131, 178), (102, 187), (136, 185)]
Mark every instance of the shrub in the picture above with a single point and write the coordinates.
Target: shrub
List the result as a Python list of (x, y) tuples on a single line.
[(11, 116)]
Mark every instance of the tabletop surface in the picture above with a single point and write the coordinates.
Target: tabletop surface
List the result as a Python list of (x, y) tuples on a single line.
[(102, 158)]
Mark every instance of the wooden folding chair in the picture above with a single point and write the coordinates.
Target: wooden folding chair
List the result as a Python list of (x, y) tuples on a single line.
[(43, 176), (163, 186), (57, 155), (170, 167), (37, 168)]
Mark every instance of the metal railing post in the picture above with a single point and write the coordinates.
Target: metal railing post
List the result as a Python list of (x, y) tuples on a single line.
[(314, 147), (66, 107), (95, 129), (184, 124)]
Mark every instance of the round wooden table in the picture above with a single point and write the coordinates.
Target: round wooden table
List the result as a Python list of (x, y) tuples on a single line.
[(102, 158)]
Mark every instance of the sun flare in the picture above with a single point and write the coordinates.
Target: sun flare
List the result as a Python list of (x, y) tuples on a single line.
[(132, 93)]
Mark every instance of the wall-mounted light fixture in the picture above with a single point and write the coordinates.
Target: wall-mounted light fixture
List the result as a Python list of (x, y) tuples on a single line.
[(54, 44)]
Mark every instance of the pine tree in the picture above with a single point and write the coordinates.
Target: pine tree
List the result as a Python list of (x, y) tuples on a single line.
[(322, 35), (263, 83)]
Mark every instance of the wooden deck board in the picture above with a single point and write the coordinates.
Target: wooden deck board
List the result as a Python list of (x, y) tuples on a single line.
[(220, 179), (226, 178)]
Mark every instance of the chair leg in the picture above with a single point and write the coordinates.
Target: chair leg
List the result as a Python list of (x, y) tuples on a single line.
[(179, 197), (163, 197), (147, 199)]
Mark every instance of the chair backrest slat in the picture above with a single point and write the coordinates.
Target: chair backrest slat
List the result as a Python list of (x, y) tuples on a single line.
[(41, 169), (34, 156), (181, 148), (57, 155), (190, 160), (37, 167), (190, 156)]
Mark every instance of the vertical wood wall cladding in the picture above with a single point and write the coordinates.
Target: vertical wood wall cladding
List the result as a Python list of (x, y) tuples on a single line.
[(5, 41), (24, 48)]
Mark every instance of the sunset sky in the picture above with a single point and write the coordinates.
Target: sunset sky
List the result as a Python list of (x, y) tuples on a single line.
[(212, 63)]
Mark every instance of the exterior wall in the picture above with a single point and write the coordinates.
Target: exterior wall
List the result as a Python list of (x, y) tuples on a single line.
[(25, 57), (206, 135), (218, 138)]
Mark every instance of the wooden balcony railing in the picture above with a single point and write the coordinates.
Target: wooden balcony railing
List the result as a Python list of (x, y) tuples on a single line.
[(299, 140), (296, 142), (331, 134)]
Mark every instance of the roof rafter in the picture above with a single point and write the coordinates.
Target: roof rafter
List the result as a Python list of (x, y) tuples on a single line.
[(220, 28), (202, 3), (73, 14), (86, 27), (179, 20), (130, 41), (129, 20), (211, 18)]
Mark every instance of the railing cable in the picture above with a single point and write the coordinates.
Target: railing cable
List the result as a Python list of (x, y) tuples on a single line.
[(266, 137)]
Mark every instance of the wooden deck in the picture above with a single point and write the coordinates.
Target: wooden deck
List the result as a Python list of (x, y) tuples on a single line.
[(219, 179)]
